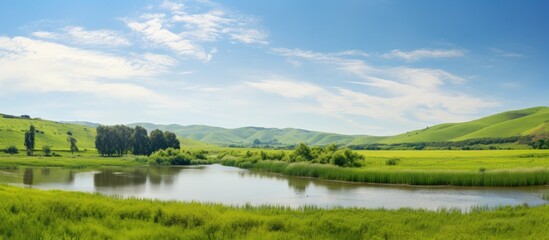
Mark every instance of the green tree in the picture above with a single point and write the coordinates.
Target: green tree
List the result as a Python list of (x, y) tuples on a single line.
[(140, 141), (72, 142), (171, 140), (301, 153), (29, 140), (158, 141)]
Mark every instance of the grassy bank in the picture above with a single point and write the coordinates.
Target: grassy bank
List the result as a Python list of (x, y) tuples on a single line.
[(459, 168), (81, 160), (37, 214)]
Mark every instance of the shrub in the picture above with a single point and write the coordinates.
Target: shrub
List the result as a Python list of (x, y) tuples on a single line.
[(12, 150), (392, 161), (170, 156), (47, 150)]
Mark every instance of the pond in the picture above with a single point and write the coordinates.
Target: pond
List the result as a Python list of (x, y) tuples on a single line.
[(234, 186)]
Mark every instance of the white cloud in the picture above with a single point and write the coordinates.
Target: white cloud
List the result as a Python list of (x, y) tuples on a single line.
[(79, 35), (405, 94), (287, 88), (424, 54), (183, 29), (30, 65)]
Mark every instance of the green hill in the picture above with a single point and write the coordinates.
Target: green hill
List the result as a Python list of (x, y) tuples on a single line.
[(506, 124), (530, 121), (246, 135), (54, 134)]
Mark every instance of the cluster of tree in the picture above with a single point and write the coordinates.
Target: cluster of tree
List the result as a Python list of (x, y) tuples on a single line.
[(469, 144), (540, 144), (118, 140), (172, 156)]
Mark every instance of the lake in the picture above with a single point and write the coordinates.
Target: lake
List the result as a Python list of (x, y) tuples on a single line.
[(234, 186)]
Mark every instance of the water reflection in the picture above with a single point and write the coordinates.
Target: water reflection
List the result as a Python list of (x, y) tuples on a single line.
[(235, 186), (28, 177)]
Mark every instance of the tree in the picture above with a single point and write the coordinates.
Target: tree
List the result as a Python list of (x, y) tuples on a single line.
[(113, 140), (158, 141), (256, 142), (171, 140), (301, 153), (29, 140), (73, 142), (140, 141)]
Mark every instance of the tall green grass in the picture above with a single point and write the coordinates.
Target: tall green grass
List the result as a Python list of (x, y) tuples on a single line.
[(515, 177), (37, 214)]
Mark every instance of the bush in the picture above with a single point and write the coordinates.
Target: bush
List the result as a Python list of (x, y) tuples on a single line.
[(47, 150), (12, 150), (392, 161), (171, 156)]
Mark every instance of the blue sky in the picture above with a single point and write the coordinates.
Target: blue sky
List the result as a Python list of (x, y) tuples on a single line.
[(375, 67)]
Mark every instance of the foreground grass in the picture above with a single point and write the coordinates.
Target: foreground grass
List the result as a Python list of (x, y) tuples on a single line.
[(37, 214)]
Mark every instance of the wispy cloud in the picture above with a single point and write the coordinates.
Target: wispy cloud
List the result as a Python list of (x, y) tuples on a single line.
[(503, 53), (80, 35), (407, 94), (419, 54), (183, 29), (30, 65)]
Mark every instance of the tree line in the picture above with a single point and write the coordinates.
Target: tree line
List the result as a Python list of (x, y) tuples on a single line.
[(118, 140)]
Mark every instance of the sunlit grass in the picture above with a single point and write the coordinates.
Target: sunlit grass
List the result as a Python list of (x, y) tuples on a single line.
[(37, 214)]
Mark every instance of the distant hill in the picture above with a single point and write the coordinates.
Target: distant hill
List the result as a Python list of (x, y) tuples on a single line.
[(247, 135), (531, 121)]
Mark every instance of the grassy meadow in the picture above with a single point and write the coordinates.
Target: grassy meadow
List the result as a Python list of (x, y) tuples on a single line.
[(37, 214)]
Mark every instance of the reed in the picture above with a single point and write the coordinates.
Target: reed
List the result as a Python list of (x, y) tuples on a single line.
[(511, 177)]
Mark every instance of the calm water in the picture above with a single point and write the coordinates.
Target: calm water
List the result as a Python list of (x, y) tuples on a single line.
[(235, 186)]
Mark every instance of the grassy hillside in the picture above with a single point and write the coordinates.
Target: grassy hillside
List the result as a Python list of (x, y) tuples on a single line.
[(54, 134), (506, 124), (246, 135), (530, 121)]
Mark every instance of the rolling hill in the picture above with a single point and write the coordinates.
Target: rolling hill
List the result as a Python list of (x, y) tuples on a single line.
[(531, 121), (54, 134), (506, 124)]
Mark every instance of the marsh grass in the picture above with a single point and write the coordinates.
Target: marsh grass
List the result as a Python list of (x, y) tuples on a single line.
[(37, 214), (515, 177)]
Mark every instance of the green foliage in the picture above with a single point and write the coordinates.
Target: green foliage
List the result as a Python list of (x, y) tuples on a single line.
[(392, 161), (12, 150), (158, 140), (171, 156), (46, 150), (37, 214), (301, 153), (113, 140), (72, 141), (140, 141), (29, 140), (171, 140)]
